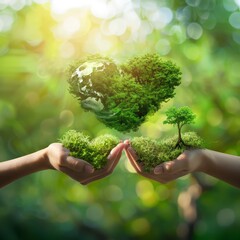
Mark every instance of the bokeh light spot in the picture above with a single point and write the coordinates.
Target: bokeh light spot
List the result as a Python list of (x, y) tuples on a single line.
[(178, 34), (163, 47), (192, 51), (161, 17), (95, 212), (193, 3), (162, 192), (97, 42), (77, 194), (102, 9), (146, 193), (43, 1), (17, 4), (183, 14), (237, 2), (140, 226), (64, 6), (194, 30), (210, 22), (225, 217), (71, 25), (236, 37), (113, 193), (117, 27), (234, 20), (230, 5), (132, 20), (67, 118), (6, 21)]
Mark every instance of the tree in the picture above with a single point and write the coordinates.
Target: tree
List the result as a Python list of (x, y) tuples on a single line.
[(180, 117), (122, 96)]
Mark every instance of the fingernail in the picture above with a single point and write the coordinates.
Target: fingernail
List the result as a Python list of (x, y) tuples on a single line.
[(158, 170), (89, 169), (112, 151), (168, 166)]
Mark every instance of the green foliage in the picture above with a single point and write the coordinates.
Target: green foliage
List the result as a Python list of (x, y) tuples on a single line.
[(179, 116), (152, 152), (95, 152), (122, 97), (34, 103), (158, 77)]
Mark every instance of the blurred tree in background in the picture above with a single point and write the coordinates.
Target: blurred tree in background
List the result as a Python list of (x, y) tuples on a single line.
[(39, 39)]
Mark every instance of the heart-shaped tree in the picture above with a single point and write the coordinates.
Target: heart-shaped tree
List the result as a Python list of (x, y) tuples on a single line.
[(122, 96)]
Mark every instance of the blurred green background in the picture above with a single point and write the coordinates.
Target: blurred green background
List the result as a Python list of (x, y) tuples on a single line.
[(39, 39)]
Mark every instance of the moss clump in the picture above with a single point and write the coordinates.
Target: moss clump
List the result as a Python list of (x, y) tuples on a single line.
[(122, 96), (152, 152), (95, 152)]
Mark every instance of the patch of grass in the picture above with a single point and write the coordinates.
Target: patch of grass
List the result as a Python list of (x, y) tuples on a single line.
[(153, 152), (93, 151)]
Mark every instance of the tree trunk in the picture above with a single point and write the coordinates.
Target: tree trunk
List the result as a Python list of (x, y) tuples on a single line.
[(180, 141)]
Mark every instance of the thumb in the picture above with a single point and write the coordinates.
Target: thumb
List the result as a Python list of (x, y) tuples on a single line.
[(172, 167), (116, 151), (78, 165)]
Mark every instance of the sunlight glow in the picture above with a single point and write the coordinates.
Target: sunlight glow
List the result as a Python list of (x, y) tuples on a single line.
[(61, 6), (161, 17), (97, 42), (237, 2), (117, 26), (6, 21), (99, 8), (102, 9)]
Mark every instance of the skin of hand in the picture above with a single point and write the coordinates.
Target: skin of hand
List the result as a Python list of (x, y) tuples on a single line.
[(112, 160), (55, 156), (222, 166)]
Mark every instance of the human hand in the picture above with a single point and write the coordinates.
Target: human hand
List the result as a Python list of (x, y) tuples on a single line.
[(80, 170), (187, 162)]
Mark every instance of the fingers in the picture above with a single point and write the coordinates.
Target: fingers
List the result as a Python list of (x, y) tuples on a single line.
[(83, 172), (172, 167), (79, 177), (115, 151), (112, 159), (132, 157), (132, 154), (164, 168), (78, 165)]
